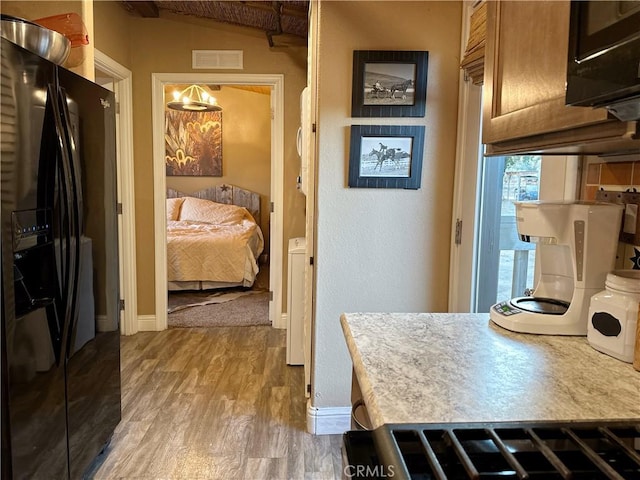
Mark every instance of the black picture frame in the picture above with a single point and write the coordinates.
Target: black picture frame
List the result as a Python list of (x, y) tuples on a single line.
[(386, 156), (401, 77)]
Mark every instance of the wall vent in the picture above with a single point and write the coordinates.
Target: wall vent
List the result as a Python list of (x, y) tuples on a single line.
[(220, 59)]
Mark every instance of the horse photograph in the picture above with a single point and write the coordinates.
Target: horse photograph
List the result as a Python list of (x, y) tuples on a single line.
[(389, 83), (385, 156)]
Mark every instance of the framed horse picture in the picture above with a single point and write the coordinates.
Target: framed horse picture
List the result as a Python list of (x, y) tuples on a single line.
[(389, 83), (386, 156)]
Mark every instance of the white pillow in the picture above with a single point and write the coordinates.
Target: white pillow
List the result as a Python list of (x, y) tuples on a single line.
[(206, 211), (173, 208)]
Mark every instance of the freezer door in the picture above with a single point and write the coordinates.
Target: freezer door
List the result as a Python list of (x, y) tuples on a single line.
[(93, 358)]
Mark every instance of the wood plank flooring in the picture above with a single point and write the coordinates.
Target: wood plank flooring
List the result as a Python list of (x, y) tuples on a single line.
[(216, 403)]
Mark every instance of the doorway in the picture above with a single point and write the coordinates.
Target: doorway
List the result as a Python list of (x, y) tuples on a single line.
[(276, 218), (117, 78)]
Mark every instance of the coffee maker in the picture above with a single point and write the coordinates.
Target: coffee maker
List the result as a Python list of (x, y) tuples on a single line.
[(576, 244)]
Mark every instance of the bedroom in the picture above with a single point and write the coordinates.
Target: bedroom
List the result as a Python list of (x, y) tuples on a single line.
[(218, 169)]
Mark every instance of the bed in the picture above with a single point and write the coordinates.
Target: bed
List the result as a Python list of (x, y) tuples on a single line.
[(213, 238)]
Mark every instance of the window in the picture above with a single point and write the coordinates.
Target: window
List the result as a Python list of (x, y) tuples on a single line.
[(505, 265)]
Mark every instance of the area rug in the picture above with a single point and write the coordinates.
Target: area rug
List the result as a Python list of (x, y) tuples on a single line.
[(224, 309)]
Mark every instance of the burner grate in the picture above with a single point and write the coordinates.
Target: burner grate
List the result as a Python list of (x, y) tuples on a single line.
[(576, 450)]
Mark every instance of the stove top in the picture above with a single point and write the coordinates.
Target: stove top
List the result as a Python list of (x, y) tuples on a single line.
[(505, 450)]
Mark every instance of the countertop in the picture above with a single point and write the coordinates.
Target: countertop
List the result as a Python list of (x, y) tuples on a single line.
[(456, 367)]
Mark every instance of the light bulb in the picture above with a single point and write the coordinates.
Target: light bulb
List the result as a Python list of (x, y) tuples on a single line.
[(176, 95)]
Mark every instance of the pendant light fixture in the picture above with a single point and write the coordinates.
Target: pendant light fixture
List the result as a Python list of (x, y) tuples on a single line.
[(194, 99)]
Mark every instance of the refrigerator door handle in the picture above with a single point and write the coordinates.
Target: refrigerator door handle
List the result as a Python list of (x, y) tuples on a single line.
[(71, 254), (64, 252), (76, 192)]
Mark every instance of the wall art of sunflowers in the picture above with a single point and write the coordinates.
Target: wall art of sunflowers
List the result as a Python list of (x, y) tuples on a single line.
[(193, 143)]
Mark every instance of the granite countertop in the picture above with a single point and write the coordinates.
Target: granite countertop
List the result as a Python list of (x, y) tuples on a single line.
[(453, 367)]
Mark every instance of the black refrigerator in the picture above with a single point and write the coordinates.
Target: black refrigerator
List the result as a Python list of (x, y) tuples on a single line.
[(60, 285)]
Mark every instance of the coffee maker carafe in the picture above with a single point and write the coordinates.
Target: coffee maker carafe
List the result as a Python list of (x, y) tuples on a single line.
[(576, 244)]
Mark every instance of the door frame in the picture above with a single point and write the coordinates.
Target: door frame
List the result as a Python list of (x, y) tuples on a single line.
[(464, 225), (123, 91), (469, 150), (276, 82)]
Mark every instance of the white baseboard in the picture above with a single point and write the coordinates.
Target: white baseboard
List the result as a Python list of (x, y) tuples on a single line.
[(282, 323), (102, 324), (328, 420), (147, 323)]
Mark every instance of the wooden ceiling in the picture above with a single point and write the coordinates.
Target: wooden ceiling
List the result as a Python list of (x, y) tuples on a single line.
[(273, 17)]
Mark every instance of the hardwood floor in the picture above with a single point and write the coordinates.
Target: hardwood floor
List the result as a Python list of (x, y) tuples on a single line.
[(217, 403)]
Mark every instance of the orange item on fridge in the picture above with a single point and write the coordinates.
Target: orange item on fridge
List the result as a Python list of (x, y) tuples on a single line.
[(68, 24)]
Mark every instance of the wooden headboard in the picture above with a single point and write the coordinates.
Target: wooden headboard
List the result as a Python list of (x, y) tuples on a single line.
[(225, 193)]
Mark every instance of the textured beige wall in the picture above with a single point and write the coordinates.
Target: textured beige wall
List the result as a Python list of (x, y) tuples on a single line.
[(112, 31), (246, 148), (380, 249), (163, 45)]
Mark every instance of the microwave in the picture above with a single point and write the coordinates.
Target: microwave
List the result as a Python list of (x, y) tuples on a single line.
[(603, 68)]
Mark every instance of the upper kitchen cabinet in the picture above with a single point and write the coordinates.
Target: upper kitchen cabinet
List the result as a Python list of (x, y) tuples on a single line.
[(524, 86)]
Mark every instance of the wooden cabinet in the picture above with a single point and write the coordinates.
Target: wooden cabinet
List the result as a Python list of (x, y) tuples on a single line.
[(524, 84)]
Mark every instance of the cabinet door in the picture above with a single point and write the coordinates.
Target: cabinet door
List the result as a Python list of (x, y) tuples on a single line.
[(525, 72)]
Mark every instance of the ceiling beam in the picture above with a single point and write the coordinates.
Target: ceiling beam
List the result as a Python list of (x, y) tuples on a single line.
[(143, 8), (286, 10)]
